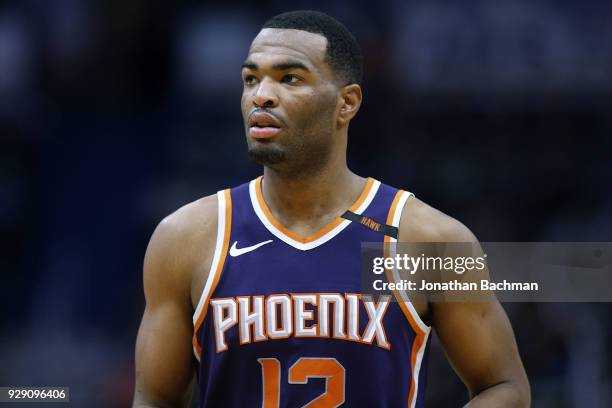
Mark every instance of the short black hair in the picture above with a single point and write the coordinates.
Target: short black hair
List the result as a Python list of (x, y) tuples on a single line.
[(343, 53)]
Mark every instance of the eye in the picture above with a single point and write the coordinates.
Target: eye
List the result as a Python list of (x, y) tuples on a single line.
[(290, 79), (249, 80)]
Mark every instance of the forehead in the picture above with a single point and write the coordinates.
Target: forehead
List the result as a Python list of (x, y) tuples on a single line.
[(273, 44)]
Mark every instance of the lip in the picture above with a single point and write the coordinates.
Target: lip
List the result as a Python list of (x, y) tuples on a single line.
[(263, 119), (262, 133), (263, 125)]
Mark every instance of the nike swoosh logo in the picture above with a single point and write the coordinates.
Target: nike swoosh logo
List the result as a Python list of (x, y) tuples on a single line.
[(240, 251)]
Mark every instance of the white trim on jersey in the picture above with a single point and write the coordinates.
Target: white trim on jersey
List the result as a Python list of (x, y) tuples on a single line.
[(393, 250), (426, 329), (304, 246), (216, 256), (417, 368), (215, 263)]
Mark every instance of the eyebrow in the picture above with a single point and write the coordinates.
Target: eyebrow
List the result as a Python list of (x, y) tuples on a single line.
[(281, 66)]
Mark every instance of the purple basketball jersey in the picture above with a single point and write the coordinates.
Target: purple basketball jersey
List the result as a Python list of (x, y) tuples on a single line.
[(282, 323)]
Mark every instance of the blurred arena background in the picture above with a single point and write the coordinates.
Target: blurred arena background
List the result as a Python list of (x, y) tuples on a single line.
[(114, 113)]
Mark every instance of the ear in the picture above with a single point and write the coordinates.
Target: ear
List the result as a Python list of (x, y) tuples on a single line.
[(350, 101)]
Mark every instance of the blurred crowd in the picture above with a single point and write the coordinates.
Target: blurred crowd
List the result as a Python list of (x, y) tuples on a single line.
[(115, 113)]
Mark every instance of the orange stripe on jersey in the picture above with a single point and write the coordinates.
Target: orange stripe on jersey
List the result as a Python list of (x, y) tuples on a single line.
[(420, 334), (217, 271), (322, 231), (270, 372)]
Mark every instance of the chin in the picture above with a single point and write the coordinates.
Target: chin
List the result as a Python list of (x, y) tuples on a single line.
[(266, 154)]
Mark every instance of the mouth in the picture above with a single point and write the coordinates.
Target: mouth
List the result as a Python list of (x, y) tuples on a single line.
[(263, 125), (265, 132)]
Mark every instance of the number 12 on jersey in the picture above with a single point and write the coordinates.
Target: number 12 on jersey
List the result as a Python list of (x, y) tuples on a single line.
[(299, 373)]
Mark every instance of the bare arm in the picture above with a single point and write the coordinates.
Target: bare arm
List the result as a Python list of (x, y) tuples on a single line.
[(476, 336), (479, 343), (165, 365)]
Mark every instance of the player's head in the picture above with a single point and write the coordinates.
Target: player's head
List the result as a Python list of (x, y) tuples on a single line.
[(301, 80)]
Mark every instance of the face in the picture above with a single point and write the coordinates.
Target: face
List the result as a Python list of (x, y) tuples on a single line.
[(290, 100)]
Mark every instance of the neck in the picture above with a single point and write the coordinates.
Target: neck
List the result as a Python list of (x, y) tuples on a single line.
[(308, 202)]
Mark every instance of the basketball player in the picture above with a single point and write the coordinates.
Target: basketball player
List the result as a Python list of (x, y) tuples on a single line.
[(255, 291)]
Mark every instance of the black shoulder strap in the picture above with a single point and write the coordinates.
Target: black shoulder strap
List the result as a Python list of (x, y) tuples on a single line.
[(368, 222)]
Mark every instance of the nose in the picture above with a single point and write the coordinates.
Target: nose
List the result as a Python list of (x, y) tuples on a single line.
[(264, 96)]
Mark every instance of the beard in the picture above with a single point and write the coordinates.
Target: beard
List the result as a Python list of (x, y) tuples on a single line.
[(266, 155), (293, 160)]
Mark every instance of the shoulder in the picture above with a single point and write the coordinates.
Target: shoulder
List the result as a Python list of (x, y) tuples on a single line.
[(421, 222), (180, 245), (190, 221)]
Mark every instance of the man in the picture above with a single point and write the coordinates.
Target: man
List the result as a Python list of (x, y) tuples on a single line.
[(271, 268)]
